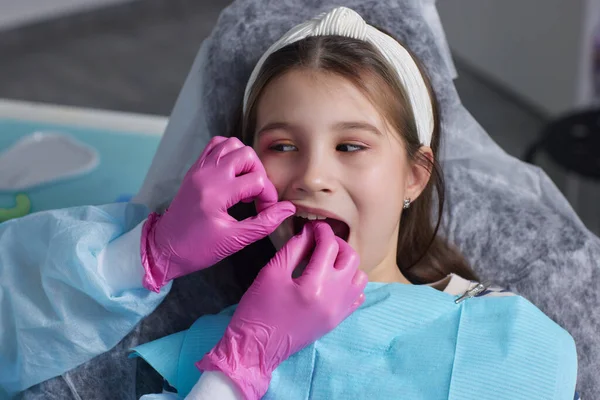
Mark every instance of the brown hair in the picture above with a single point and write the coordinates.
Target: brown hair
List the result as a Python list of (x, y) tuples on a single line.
[(423, 256)]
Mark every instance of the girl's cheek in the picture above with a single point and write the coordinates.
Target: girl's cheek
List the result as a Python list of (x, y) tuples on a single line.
[(267, 162), (276, 176)]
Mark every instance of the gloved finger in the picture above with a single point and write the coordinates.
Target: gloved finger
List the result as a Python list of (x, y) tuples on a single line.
[(223, 149), (242, 160), (357, 303), (245, 161), (245, 188), (207, 150), (360, 279), (265, 223), (323, 257), (355, 286), (267, 197), (347, 258), (293, 252), (357, 300)]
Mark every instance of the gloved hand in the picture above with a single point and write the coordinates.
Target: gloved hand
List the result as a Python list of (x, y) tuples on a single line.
[(279, 315), (196, 231)]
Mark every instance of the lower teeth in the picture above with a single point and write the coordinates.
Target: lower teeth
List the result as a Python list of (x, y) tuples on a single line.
[(339, 228)]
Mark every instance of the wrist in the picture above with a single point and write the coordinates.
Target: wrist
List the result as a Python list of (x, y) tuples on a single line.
[(152, 259), (242, 359)]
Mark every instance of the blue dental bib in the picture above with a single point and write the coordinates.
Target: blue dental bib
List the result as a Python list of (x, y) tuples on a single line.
[(405, 341)]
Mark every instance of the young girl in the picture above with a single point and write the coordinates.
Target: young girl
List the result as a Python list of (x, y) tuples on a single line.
[(339, 125), (345, 123)]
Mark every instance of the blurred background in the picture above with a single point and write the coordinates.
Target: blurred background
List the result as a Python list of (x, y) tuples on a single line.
[(528, 71)]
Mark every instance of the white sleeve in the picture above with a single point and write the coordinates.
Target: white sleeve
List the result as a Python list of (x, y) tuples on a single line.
[(211, 385), (60, 307), (160, 396), (120, 262), (215, 385)]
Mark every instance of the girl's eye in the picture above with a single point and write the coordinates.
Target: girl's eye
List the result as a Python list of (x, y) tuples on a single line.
[(349, 148), (282, 147)]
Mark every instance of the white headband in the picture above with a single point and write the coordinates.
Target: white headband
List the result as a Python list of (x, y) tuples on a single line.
[(343, 21)]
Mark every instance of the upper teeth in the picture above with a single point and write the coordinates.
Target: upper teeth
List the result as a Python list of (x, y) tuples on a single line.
[(309, 216)]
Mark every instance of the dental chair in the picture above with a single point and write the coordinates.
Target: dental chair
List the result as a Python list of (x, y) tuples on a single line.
[(509, 220)]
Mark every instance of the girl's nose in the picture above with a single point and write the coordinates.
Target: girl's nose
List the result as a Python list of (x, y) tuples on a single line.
[(314, 176)]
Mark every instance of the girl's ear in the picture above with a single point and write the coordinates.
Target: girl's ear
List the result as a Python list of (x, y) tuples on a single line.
[(420, 173)]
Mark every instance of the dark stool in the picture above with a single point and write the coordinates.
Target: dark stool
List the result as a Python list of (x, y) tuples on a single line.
[(573, 142)]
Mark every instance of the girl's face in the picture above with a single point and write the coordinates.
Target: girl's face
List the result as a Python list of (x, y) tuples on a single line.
[(329, 151)]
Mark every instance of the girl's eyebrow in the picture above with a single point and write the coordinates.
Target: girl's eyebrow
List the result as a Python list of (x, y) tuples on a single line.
[(340, 126), (356, 125), (271, 126)]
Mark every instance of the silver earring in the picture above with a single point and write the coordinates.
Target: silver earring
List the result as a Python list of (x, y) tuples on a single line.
[(406, 203)]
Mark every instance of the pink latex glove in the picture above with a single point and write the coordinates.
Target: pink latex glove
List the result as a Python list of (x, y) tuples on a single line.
[(279, 315), (196, 231)]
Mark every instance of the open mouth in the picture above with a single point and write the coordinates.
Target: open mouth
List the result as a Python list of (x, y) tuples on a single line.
[(340, 228)]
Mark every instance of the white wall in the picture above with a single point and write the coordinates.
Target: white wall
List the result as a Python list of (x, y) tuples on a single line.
[(591, 23), (534, 48), (19, 12)]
